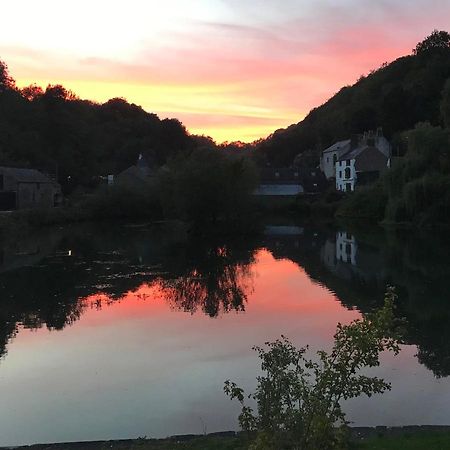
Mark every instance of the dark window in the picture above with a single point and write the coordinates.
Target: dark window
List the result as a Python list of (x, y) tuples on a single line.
[(334, 158), (347, 172), (348, 250)]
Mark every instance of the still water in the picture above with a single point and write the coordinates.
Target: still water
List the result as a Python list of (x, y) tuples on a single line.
[(123, 332)]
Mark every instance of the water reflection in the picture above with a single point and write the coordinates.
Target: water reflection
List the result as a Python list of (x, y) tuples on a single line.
[(144, 279), (43, 278), (218, 280)]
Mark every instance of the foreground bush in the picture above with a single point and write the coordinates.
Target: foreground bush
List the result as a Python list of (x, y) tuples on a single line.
[(299, 400)]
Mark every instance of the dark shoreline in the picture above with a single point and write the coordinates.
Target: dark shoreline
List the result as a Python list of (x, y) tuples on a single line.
[(358, 434)]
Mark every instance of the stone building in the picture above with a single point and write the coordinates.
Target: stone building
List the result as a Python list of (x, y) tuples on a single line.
[(27, 189)]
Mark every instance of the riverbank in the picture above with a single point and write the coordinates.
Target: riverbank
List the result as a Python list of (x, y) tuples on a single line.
[(363, 438)]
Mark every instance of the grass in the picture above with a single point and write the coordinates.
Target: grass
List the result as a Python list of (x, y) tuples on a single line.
[(416, 441), (424, 440)]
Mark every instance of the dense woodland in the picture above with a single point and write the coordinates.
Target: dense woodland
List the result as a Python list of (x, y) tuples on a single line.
[(78, 139)]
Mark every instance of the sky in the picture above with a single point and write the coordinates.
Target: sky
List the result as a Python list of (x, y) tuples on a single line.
[(230, 69)]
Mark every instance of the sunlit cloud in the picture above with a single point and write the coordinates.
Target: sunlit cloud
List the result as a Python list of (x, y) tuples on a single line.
[(226, 68)]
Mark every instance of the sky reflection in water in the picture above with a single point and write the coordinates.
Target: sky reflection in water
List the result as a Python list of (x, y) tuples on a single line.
[(151, 360)]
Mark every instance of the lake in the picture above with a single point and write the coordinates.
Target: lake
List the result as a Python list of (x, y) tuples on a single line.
[(127, 331)]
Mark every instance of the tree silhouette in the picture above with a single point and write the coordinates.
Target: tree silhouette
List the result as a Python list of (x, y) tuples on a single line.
[(6, 81), (437, 41)]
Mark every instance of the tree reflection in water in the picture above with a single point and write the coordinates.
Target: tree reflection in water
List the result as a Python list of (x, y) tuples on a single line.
[(43, 284), (220, 282)]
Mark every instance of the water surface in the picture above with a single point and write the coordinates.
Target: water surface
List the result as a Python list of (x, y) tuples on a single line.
[(129, 331)]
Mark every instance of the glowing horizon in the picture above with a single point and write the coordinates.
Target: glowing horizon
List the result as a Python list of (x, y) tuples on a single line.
[(231, 70)]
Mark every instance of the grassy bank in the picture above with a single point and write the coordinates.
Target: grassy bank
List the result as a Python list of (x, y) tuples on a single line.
[(399, 440)]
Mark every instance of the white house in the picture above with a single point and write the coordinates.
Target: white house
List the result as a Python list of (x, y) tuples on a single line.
[(346, 247), (360, 166), (330, 157), (335, 153)]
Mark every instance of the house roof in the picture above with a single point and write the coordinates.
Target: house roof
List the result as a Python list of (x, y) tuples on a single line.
[(281, 175), (25, 175), (137, 172), (368, 158), (338, 146), (353, 153), (371, 159), (311, 180)]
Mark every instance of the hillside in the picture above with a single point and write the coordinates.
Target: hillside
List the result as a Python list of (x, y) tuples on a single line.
[(79, 140), (396, 96)]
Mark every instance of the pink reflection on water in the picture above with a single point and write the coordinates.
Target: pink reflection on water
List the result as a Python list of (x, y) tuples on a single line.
[(155, 370)]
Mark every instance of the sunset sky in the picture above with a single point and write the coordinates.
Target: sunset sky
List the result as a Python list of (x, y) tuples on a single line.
[(231, 69)]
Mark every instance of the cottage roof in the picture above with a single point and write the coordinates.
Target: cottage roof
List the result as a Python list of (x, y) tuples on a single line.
[(371, 159), (367, 158), (281, 175), (338, 146), (25, 175)]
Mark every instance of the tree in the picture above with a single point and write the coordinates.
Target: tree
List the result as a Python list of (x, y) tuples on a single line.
[(58, 92), (32, 92), (207, 189), (445, 104), (298, 399), (436, 41), (6, 81)]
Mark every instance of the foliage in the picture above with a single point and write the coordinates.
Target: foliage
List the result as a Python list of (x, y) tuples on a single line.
[(437, 40), (207, 188), (445, 104), (6, 81), (368, 202), (53, 130), (408, 441), (418, 187), (122, 201), (299, 399)]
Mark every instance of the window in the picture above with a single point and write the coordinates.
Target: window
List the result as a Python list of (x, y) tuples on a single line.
[(348, 249), (334, 158), (348, 172)]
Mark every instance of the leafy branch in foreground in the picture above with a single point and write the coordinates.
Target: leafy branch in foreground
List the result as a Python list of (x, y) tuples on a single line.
[(299, 399)]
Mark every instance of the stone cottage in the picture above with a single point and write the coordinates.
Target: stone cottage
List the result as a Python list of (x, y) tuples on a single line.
[(26, 189)]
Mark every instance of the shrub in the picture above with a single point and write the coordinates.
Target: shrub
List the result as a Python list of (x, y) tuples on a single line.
[(367, 202), (298, 399)]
